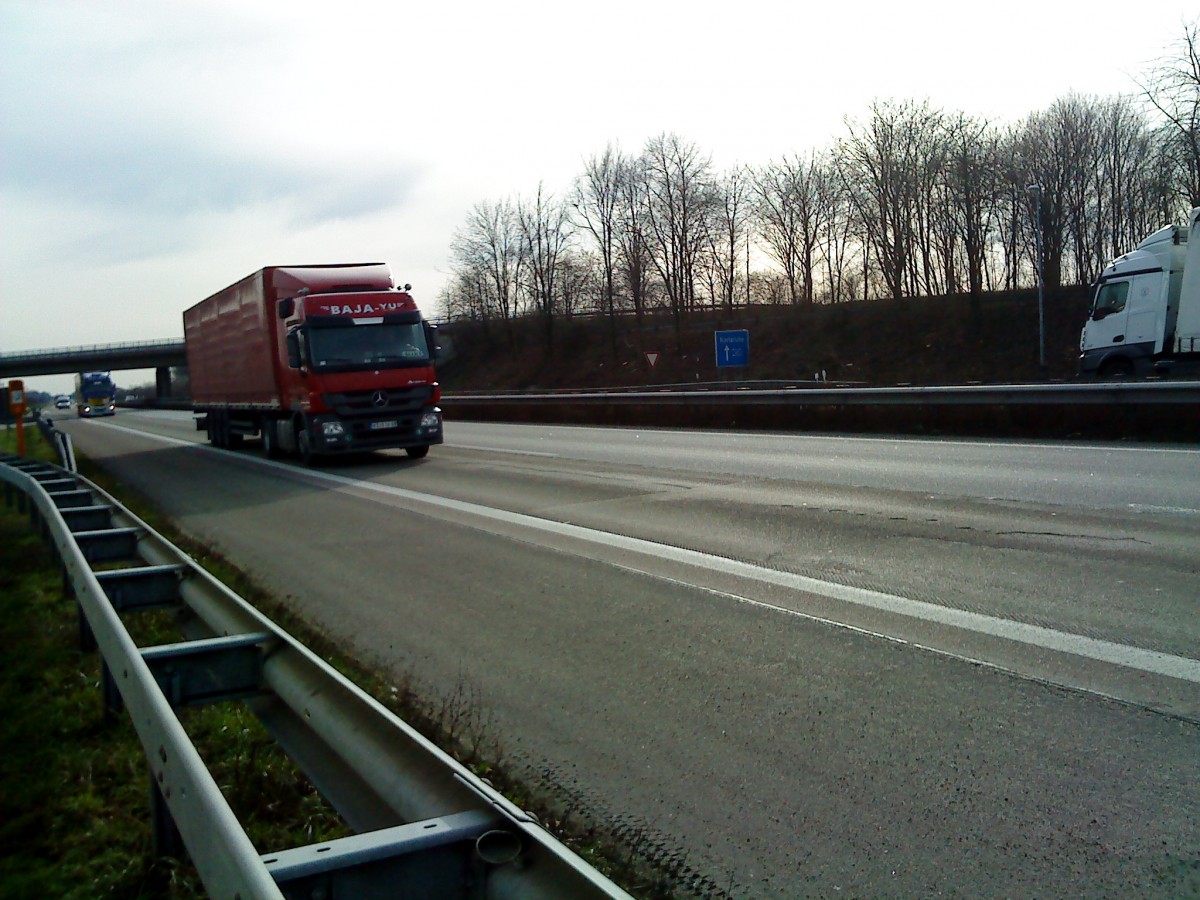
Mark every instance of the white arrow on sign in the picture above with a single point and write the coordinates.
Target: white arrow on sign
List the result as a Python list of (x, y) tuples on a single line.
[(651, 357)]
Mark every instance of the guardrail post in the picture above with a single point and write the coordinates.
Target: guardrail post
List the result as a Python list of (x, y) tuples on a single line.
[(66, 450), (113, 703), (167, 839), (87, 638), (36, 520)]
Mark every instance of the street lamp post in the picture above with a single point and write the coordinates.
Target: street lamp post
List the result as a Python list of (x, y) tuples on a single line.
[(1036, 191)]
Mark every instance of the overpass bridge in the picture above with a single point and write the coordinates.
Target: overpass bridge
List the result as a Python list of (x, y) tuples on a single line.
[(158, 355)]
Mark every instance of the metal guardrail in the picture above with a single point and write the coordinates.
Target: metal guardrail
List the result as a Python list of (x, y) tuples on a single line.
[(426, 825), (59, 440), (1151, 410), (801, 393), (1142, 410)]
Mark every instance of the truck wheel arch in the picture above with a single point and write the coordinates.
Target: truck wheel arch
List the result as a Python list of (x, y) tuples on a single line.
[(1117, 367)]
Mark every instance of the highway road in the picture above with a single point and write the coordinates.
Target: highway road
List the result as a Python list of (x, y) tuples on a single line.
[(794, 665)]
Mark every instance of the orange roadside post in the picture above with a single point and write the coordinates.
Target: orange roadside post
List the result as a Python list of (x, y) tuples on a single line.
[(16, 405)]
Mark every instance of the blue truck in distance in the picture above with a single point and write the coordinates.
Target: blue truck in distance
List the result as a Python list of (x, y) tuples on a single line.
[(95, 394)]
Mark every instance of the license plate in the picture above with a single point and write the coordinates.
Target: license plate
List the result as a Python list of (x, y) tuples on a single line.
[(381, 426)]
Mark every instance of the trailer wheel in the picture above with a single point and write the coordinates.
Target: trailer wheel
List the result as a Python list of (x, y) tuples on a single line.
[(417, 452)]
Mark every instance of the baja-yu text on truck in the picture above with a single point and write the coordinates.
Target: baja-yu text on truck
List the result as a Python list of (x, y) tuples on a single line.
[(318, 360), (1145, 315)]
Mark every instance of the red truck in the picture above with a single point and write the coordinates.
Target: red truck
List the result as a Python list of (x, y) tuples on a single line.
[(318, 360)]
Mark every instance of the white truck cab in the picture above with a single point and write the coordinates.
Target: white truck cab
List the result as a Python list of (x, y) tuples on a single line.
[(1145, 313)]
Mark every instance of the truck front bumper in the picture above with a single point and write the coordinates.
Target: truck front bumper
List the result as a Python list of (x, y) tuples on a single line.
[(335, 434)]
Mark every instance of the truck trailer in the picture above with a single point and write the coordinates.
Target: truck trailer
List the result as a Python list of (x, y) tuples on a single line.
[(95, 395), (318, 360), (1145, 313)]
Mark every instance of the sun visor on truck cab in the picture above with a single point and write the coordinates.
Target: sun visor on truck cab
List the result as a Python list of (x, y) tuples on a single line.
[(290, 281)]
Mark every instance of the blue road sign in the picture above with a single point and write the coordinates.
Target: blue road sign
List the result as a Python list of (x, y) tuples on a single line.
[(733, 348)]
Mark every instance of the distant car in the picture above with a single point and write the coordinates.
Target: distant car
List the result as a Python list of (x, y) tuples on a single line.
[(62, 403)]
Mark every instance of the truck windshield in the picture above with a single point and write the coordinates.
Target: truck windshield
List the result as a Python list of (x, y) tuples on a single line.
[(367, 346), (97, 384)]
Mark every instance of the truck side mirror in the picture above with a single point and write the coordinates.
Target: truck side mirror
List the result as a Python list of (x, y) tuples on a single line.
[(293, 350), (286, 307), (431, 340)]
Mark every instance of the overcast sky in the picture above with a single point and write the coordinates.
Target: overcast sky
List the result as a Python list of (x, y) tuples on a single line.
[(154, 152)]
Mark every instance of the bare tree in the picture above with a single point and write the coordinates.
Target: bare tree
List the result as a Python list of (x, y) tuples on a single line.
[(633, 230), (1173, 89), (597, 205), (544, 231), (836, 242), (727, 228), (887, 166), (1127, 186), (1101, 185), (486, 253), (678, 191), (972, 192), (793, 202), (466, 295), (1050, 144), (1012, 223)]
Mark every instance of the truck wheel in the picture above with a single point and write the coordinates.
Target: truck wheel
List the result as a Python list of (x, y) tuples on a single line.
[(270, 440), (1117, 369), (417, 452), (304, 444)]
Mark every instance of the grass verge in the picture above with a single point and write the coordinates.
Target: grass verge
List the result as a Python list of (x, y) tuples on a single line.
[(73, 788)]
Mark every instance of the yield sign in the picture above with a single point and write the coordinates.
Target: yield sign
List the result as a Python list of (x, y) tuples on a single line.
[(652, 357)]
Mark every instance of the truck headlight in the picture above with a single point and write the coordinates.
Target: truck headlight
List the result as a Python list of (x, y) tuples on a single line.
[(430, 420), (332, 429)]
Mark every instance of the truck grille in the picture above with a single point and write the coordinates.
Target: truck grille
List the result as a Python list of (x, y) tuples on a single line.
[(385, 401)]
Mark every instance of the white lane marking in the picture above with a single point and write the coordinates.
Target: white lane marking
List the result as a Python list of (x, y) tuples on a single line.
[(1174, 510), (1152, 661), (458, 446)]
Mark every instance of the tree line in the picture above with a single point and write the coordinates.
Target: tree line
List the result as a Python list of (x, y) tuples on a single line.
[(912, 200)]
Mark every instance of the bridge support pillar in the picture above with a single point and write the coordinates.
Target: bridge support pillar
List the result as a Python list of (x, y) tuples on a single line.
[(162, 382)]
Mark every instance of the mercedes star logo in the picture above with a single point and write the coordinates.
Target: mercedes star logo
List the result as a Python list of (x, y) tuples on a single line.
[(379, 398)]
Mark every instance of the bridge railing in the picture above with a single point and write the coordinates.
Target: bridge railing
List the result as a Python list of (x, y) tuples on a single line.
[(87, 350)]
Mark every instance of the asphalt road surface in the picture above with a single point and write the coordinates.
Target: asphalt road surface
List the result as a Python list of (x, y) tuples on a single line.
[(795, 665)]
